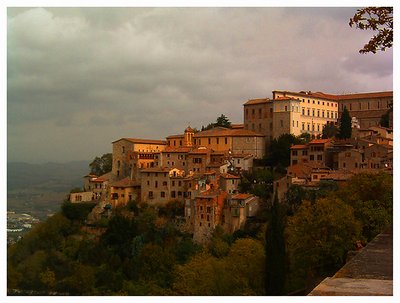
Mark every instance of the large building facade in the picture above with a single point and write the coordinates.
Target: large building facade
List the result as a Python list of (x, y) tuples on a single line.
[(308, 112)]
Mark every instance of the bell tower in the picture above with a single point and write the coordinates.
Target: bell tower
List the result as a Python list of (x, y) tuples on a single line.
[(188, 137)]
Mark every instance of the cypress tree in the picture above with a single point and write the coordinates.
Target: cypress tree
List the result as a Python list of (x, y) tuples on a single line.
[(275, 252), (345, 125)]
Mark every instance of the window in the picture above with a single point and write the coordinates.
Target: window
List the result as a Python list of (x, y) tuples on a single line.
[(311, 157), (148, 183), (173, 194), (164, 183), (305, 153), (294, 162), (179, 183), (209, 140), (308, 111), (294, 152), (156, 184), (151, 195), (319, 157), (226, 139), (217, 139), (259, 113), (285, 108), (317, 113), (162, 194), (302, 125), (173, 183), (313, 112), (123, 149), (208, 209)]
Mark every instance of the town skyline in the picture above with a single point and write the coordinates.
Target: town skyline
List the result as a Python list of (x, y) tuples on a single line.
[(149, 73)]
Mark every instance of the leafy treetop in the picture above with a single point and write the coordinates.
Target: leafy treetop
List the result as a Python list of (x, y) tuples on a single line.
[(377, 19)]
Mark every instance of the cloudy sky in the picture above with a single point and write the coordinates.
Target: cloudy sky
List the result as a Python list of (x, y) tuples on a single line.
[(78, 79)]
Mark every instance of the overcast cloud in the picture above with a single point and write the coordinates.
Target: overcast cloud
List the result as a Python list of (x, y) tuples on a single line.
[(79, 79)]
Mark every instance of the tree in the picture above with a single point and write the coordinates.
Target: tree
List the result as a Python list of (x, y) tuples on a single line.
[(275, 252), (385, 119), (377, 19), (280, 150), (329, 131), (371, 196), (319, 236), (102, 165), (345, 125), (223, 121)]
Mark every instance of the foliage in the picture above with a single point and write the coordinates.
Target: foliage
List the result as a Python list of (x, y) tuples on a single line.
[(319, 235), (279, 154), (345, 125), (371, 196), (304, 138), (275, 252), (377, 19), (101, 165), (329, 131), (385, 119), (77, 211), (234, 274), (222, 121), (172, 209)]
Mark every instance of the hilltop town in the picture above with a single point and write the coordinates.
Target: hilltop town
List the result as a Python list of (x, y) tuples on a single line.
[(203, 170)]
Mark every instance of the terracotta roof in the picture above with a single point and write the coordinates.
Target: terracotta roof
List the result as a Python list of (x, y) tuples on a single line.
[(365, 95), (241, 196), (145, 141), (175, 136), (200, 151), (211, 193), (235, 126), (227, 132), (258, 101), (299, 146), (319, 141), (126, 182), (332, 97), (279, 98), (170, 149), (229, 176)]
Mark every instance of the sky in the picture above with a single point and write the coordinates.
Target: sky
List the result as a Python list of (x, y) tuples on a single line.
[(81, 78)]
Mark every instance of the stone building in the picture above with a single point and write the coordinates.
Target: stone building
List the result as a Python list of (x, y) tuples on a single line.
[(155, 185), (123, 191), (229, 183), (368, 108), (238, 209), (290, 113), (209, 210), (130, 155)]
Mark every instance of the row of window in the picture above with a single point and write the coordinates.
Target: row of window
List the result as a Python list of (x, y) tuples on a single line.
[(174, 194), (317, 113)]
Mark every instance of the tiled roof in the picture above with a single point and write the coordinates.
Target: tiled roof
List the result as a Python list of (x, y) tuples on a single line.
[(145, 141), (319, 141), (241, 196), (175, 136), (365, 95), (332, 97), (200, 151), (258, 101), (235, 126), (229, 176), (126, 182), (227, 132), (298, 146)]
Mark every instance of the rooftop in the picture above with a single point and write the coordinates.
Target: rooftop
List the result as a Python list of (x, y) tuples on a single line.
[(258, 101), (227, 132), (144, 141)]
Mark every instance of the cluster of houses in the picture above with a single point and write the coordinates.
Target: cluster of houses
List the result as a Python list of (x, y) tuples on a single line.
[(202, 169)]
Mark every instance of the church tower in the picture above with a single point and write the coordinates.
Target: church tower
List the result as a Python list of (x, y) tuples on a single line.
[(188, 137)]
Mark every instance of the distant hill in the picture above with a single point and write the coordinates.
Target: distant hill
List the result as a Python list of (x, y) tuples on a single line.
[(40, 189), (55, 176)]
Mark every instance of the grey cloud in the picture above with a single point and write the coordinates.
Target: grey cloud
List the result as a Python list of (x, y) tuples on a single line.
[(149, 72)]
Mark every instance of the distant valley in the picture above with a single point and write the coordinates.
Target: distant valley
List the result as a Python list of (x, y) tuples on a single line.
[(40, 189)]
